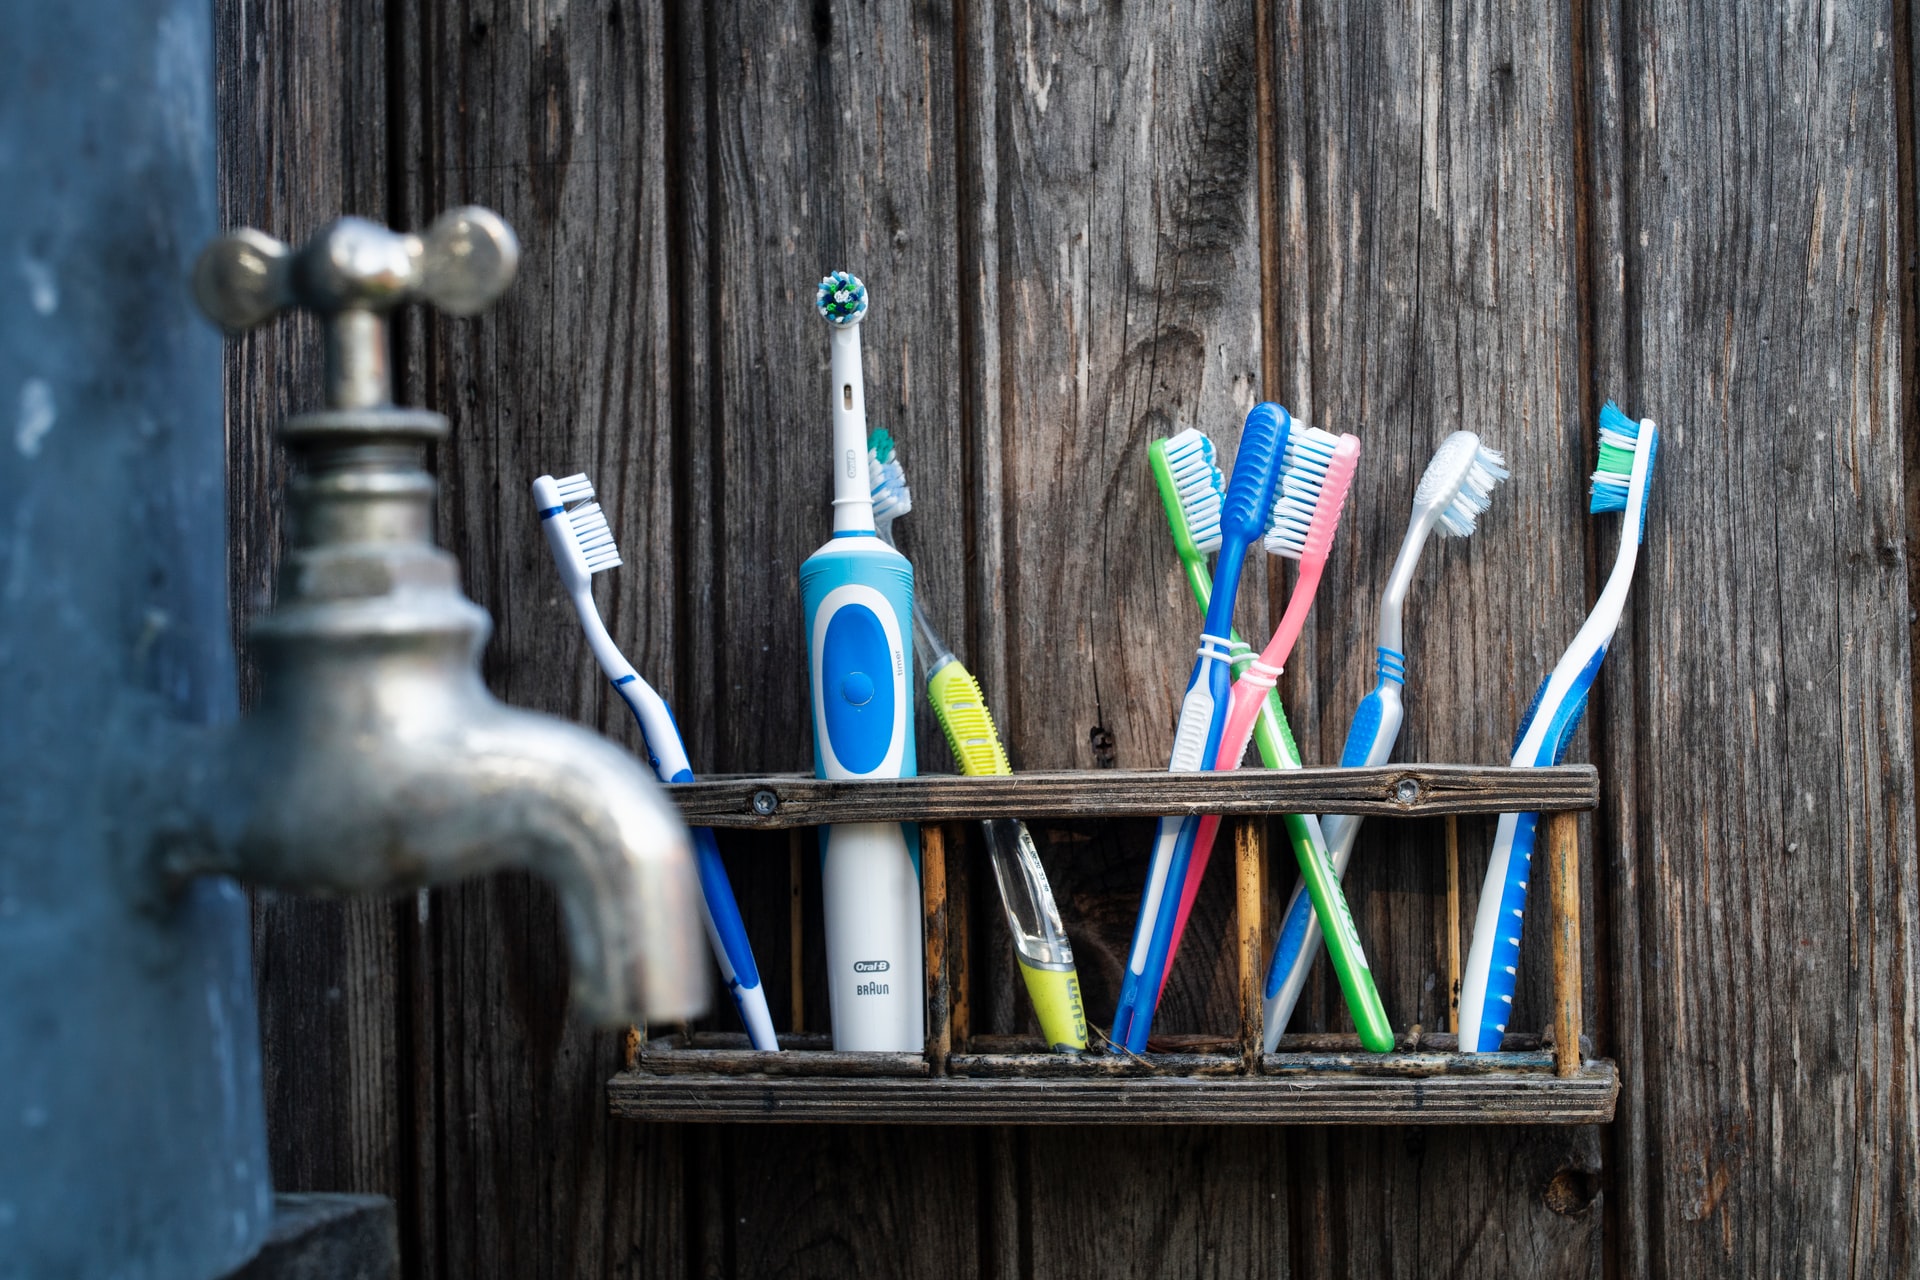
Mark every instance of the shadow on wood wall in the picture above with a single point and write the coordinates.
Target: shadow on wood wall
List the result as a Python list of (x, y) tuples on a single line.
[(1083, 229)]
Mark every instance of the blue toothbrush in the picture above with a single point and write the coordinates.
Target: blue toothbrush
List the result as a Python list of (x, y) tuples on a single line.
[(1627, 450), (1203, 713), (583, 545)]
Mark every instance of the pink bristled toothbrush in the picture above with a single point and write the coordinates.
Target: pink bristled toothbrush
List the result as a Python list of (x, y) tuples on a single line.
[(1317, 473)]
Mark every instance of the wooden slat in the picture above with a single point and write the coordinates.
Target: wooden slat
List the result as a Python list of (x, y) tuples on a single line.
[(301, 138), (553, 118), (1763, 742), (787, 800), (1535, 1097), (1249, 860), (933, 885), (1429, 197)]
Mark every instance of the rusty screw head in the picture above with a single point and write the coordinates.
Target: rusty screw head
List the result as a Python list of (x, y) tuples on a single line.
[(765, 802)]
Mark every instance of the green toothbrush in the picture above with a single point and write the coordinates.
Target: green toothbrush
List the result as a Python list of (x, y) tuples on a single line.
[(1190, 489)]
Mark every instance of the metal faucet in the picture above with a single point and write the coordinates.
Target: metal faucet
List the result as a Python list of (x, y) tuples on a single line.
[(376, 759)]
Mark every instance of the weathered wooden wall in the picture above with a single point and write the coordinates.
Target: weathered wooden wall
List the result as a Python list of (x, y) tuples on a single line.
[(1086, 226)]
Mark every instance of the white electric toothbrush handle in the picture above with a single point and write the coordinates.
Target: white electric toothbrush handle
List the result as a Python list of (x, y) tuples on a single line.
[(852, 495)]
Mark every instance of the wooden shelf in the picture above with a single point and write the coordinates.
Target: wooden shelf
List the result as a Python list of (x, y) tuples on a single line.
[(964, 1079), (778, 801), (674, 1081)]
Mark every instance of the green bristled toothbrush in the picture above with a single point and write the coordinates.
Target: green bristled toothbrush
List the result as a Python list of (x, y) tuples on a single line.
[(1039, 939), (1191, 490)]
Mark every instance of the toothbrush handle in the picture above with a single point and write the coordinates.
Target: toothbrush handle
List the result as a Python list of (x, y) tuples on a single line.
[(1323, 886), (725, 930), (728, 933), (1370, 739), (1493, 961)]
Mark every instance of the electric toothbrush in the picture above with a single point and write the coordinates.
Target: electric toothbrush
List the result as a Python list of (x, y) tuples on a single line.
[(858, 596)]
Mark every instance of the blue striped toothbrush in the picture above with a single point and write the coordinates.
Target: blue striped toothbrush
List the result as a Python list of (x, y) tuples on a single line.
[(1454, 490), (1203, 713), (1620, 483), (583, 545)]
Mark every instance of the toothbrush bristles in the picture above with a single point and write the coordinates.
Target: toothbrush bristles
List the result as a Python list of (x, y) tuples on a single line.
[(1619, 436), (1201, 487), (1484, 474), (1302, 475), (574, 489), (591, 531)]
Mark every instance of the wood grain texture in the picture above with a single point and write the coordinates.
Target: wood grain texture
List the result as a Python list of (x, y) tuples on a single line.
[(1478, 214), (1336, 1097), (776, 801), (1563, 932), (548, 115), (1429, 205), (829, 134), (1774, 823)]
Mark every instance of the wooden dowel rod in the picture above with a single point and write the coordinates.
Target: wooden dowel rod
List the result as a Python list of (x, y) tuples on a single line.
[(1453, 924), (1249, 857), (1563, 853), (795, 935), (959, 933), (933, 890)]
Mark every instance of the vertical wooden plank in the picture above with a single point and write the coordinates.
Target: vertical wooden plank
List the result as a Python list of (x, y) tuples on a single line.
[(830, 144), (1428, 197), (1771, 812), (1117, 244), (1151, 1203), (300, 106), (551, 115), (1249, 859), (1563, 858), (796, 929)]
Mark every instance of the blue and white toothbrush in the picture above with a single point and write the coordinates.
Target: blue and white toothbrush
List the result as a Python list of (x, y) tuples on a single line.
[(1454, 490), (1620, 483), (583, 545), (858, 594), (1203, 713)]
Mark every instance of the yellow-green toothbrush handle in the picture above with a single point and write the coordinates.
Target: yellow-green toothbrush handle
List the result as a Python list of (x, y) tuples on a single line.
[(962, 711)]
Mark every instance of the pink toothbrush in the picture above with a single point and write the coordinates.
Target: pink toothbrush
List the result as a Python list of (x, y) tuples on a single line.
[(1315, 476)]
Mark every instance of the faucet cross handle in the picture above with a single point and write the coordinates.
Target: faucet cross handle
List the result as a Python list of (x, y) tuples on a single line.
[(351, 273)]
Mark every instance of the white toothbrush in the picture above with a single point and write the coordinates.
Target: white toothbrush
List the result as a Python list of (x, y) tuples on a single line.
[(1454, 490), (582, 545)]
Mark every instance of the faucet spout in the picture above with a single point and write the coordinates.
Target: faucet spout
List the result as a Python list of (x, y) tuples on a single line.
[(377, 761)]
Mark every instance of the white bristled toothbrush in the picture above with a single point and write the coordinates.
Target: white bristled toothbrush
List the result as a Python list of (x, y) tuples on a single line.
[(1453, 491), (582, 545)]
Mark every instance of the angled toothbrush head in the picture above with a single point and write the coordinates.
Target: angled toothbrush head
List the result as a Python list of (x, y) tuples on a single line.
[(1458, 483), (1312, 491), (841, 299), (1628, 450), (1192, 490)]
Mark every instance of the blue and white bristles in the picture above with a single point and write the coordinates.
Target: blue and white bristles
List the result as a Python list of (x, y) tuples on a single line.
[(1302, 473), (1202, 488), (1475, 493), (841, 299)]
